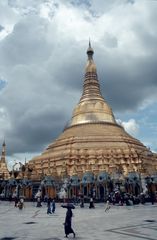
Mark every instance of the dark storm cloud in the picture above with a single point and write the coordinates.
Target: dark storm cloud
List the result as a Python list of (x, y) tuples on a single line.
[(35, 132), (26, 43), (39, 90), (121, 74), (69, 72)]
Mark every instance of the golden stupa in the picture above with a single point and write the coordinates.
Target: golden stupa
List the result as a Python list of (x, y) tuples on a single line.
[(93, 141)]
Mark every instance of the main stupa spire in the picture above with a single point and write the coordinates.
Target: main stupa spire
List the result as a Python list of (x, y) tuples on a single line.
[(91, 88), (92, 108)]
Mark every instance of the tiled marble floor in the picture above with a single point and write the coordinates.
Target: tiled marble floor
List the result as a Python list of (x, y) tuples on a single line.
[(121, 222)]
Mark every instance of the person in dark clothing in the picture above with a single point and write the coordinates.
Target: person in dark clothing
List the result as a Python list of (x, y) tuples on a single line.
[(10, 198), (91, 203), (82, 201), (67, 225), (53, 206), (152, 197), (49, 206), (142, 198), (16, 201)]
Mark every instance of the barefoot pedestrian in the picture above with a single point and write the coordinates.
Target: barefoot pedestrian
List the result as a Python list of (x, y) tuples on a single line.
[(107, 208), (91, 203), (49, 205), (68, 221), (53, 206)]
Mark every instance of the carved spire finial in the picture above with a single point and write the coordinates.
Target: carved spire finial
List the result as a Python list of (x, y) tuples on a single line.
[(89, 43), (90, 51)]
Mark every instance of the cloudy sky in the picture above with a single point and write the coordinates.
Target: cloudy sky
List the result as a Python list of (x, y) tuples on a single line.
[(42, 57)]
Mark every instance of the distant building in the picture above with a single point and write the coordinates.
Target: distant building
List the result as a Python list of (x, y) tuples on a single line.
[(4, 173)]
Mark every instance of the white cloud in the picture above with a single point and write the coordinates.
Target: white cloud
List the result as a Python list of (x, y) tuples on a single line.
[(20, 157), (8, 18), (131, 126)]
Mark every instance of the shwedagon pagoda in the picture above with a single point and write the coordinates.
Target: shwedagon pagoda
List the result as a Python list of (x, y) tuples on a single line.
[(91, 152)]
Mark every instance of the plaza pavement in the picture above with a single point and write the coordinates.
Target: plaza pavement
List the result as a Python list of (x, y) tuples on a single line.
[(121, 222)]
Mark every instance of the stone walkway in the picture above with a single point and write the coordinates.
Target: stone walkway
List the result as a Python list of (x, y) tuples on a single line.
[(121, 222)]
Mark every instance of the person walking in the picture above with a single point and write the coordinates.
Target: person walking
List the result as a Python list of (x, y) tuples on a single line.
[(10, 198), (68, 221), (21, 203), (91, 203), (107, 208), (16, 201), (49, 206), (82, 201), (53, 206), (38, 202)]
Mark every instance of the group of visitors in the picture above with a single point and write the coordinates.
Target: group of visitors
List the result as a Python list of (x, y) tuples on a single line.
[(130, 199), (51, 205)]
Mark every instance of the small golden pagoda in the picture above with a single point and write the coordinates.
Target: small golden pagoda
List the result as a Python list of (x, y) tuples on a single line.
[(93, 141), (4, 173)]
